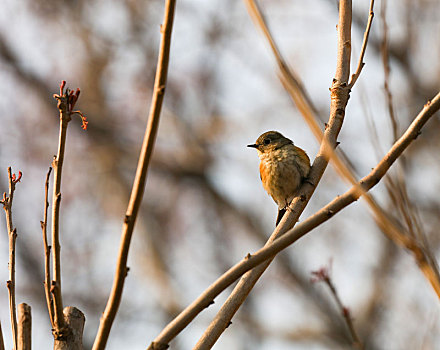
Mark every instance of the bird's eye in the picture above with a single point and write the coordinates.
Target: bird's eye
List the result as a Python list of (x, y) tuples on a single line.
[(266, 141)]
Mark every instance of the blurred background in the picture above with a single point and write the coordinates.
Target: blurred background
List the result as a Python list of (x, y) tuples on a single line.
[(204, 207)]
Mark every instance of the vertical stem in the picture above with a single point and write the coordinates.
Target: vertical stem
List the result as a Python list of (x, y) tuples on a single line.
[(57, 165), (344, 42), (47, 252), (11, 285), (74, 319), (12, 235), (139, 181), (24, 327), (386, 70)]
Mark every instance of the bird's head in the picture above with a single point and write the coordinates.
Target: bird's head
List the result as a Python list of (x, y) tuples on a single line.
[(270, 141)]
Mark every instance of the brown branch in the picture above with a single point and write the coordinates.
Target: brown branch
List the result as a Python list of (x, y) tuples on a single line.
[(139, 181), (361, 63), (60, 331), (291, 236), (24, 327), (57, 165), (323, 275), (47, 251), (12, 234), (339, 98), (72, 340), (66, 102), (287, 76), (386, 69)]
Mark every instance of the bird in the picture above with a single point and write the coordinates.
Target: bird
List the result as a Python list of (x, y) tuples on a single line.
[(283, 168)]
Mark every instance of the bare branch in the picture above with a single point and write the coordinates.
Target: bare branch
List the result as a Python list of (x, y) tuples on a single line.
[(323, 275), (57, 165), (287, 76), (47, 251), (24, 327), (361, 63), (291, 236), (12, 234), (386, 69), (140, 178), (66, 103), (72, 340)]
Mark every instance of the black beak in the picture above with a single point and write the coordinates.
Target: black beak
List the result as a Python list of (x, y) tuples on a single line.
[(253, 146)]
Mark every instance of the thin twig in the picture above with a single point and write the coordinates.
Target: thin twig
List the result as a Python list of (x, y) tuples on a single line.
[(11, 285), (139, 181), (287, 76), (47, 251), (12, 234), (397, 189), (386, 70), (361, 63), (291, 236), (66, 102), (57, 165), (323, 275)]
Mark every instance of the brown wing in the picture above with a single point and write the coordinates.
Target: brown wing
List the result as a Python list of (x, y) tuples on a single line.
[(306, 160)]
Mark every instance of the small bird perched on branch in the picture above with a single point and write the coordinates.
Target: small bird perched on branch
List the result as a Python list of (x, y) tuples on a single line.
[(283, 168)]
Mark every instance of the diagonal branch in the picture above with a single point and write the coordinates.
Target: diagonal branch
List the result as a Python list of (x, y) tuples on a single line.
[(291, 236), (139, 181), (288, 77)]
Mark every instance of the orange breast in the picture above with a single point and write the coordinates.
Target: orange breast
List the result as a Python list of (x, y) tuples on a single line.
[(263, 172)]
